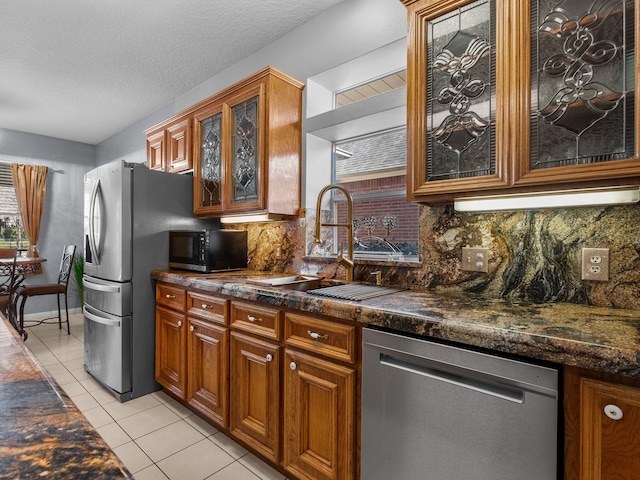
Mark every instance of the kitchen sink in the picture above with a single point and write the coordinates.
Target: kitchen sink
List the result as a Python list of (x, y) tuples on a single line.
[(292, 282), (353, 291), (324, 288)]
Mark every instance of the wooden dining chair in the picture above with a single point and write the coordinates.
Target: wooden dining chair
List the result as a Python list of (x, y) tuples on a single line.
[(8, 253), (7, 286), (59, 288)]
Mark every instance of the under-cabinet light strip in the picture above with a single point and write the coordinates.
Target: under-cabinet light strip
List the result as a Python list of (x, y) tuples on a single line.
[(570, 198)]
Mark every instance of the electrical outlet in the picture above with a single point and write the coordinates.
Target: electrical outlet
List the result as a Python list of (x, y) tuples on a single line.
[(475, 259), (595, 264), (278, 250)]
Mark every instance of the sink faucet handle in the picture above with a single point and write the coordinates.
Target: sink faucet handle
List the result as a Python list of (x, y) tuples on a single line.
[(378, 275)]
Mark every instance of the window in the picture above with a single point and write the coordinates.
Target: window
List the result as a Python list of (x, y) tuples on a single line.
[(356, 138), (373, 169), (12, 234)]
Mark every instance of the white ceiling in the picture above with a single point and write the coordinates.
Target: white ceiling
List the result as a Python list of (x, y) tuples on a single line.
[(83, 70)]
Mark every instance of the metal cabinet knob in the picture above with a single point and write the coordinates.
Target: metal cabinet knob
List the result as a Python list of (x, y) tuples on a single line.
[(206, 306), (251, 318), (169, 296), (614, 412), (293, 365), (269, 357), (192, 328), (179, 323)]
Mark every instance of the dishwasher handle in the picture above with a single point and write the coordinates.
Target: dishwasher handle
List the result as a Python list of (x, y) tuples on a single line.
[(512, 395)]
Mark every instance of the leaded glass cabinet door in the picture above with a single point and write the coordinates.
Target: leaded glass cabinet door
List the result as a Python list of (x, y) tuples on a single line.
[(453, 103), (208, 187), (583, 75), (245, 173)]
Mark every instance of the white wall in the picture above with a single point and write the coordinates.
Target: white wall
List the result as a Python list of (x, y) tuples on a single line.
[(63, 206), (338, 35)]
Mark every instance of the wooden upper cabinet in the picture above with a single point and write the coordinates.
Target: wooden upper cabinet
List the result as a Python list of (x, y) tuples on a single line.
[(169, 145), (245, 136), (179, 148), (511, 96), (156, 146)]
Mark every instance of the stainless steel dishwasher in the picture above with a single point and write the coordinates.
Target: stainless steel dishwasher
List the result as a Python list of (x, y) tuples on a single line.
[(432, 411)]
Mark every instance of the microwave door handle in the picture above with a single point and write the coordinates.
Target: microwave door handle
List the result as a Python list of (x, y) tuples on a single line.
[(92, 231)]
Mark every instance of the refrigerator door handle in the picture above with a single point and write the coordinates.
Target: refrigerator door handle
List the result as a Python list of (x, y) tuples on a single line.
[(104, 321), (92, 233), (99, 287)]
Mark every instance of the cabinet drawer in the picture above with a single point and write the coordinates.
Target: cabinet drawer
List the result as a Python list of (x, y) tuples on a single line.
[(207, 307), (171, 297), (334, 340), (261, 321)]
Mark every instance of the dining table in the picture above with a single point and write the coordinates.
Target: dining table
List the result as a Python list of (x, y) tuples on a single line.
[(24, 267)]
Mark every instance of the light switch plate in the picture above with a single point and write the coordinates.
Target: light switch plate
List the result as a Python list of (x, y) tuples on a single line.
[(595, 264), (475, 259)]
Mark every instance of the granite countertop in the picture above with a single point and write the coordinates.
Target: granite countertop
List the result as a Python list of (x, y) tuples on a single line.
[(596, 338), (43, 434)]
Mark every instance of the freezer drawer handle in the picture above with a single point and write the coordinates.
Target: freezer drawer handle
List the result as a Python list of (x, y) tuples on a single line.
[(102, 320), (512, 395), (100, 288)]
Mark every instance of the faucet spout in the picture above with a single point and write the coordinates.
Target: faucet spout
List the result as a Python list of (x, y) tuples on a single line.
[(347, 262)]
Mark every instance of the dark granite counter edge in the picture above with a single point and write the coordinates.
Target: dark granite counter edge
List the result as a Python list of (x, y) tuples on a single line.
[(44, 433), (559, 333)]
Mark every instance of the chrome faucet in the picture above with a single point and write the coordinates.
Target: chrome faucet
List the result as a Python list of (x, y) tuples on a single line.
[(346, 262)]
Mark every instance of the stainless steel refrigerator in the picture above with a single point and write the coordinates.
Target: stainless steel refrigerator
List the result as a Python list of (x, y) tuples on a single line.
[(128, 211)]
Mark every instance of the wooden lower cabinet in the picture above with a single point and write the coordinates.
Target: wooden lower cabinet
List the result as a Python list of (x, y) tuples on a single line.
[(602, 426), (283, 383), (171, 345), (255, 393), (208, 385), (319, 418)]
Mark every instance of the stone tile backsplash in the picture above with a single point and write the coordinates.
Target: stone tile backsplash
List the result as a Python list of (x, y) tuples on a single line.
[(533, 255)]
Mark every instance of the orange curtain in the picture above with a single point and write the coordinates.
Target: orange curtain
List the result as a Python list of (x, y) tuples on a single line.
[(30, 182)]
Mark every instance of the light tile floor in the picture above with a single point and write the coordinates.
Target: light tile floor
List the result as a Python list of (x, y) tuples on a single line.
[(155, 436)]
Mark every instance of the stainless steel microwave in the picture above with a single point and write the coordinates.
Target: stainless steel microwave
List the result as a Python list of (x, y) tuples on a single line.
[(208, 250)]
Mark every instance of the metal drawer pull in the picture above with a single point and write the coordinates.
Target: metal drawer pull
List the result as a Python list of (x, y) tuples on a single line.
[(179, 323), (269, 357), (169, 296), (317, 336), (251, 318), (192, 328), (293, 365), (614, 412), (207, 306)]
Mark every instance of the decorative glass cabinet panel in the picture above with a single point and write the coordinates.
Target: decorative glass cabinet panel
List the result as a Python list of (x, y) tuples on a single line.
[(248, 133), (210, 189), (453, 104), (460, 75), (515, 96), (245, 157), (583, 75)]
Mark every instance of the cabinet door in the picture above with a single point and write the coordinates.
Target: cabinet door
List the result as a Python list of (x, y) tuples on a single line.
[(156, 145), (171, 347), (609, 431), (576, 70), (455, 101), (319, 418), (179, 158), (245, 176), (209, 157), (255, 393), (208, 353)]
